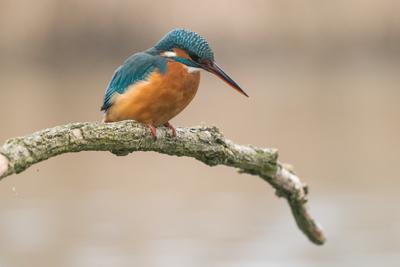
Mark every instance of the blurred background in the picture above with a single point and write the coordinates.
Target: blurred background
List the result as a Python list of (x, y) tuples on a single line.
[(323, 79)]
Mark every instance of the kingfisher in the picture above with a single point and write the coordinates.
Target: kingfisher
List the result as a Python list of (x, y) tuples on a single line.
[(155, 85)]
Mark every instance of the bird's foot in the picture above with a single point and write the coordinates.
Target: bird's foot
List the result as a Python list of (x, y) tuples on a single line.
[(168, 125), (153, 130)]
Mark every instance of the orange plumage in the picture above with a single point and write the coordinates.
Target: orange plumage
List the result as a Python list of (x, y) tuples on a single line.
[(158, 99)]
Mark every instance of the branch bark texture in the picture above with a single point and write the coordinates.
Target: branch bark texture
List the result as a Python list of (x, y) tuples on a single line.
[(204, 143)]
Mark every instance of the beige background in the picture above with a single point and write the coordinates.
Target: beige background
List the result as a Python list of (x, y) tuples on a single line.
[(323, 79)]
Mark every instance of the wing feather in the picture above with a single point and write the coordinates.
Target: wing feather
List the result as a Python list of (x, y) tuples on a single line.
[(135, 69)]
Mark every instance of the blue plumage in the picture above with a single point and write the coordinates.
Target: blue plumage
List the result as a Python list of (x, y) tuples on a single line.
[(187, 40), (136, 68)]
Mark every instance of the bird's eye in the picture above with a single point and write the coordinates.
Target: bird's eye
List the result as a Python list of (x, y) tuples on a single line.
[(194, 57)]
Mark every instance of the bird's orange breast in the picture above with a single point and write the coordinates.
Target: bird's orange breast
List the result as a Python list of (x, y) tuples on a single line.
[(157, 100)]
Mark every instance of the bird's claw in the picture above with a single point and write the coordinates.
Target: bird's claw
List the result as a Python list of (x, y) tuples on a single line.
[(153, 131), (168, 125)]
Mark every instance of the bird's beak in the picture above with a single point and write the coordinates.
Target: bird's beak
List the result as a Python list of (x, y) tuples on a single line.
[(215, 69)]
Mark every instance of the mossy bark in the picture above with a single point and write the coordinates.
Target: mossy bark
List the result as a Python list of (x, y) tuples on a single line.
[(204, 143)]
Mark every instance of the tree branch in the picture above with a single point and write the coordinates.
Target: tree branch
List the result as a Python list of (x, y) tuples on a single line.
[(205, 144)]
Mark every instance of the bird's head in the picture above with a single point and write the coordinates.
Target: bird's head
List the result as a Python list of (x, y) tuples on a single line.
[(189, 48)]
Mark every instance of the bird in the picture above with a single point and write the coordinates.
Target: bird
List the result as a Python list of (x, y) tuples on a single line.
[(155, 85)]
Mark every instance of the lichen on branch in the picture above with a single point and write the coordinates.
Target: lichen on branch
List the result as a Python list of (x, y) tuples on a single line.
[(203, 143)]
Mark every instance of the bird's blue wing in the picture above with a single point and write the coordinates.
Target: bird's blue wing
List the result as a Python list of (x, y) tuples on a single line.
[(135, 69)]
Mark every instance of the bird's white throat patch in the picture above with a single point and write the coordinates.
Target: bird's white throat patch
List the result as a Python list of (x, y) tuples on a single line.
[(192, 69)]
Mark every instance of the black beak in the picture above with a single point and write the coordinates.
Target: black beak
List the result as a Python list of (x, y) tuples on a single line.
[(215, 69)]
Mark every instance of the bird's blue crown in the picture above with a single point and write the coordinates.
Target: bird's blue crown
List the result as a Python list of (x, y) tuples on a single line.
[(187, 40)]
